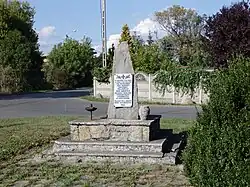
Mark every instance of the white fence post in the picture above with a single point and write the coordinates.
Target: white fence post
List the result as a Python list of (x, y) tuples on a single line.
[(94, 86), (149, 87), (200, 94), (174, 100)]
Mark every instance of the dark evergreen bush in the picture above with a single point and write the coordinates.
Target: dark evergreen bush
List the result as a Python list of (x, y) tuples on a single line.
[(218, 149)]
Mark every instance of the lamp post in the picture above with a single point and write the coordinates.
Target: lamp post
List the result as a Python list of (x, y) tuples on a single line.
[(103, 32)]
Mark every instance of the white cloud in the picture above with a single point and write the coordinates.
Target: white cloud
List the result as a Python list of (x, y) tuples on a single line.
[(142, 28), (145, 26), (148, 25), (113, 39), (47, 31), (46, 39)]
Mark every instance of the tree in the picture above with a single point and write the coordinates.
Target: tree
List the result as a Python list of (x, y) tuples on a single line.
[(125, 35), (69, 63), (228, 32), (184, 29), (20, 59), (132, 41), (218, 146), (149, 59)]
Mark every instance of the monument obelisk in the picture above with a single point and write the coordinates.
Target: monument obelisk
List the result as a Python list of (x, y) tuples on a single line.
[(123, 102)]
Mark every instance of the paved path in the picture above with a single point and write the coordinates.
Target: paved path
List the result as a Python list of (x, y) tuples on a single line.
[(68, 103)]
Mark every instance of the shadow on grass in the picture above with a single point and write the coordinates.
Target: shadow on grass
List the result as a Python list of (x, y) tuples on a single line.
[(12, 125)]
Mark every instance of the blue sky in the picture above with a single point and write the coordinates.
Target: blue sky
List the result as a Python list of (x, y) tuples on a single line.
[(56, 18)]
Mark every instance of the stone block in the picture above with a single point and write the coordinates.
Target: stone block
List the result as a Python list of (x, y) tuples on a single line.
[(145, 134), (114, 130), (136, 133), (99, 132), (84, 133), (74, 133)]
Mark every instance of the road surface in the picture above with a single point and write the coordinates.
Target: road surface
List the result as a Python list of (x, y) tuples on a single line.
[(68, 103)]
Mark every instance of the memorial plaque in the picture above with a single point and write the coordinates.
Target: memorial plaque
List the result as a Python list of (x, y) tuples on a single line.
[(123, 90)]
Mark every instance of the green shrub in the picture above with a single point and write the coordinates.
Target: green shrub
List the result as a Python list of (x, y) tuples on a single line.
[(69, 64), (61, 79), (102, 74), (11, 80), (218, 149)]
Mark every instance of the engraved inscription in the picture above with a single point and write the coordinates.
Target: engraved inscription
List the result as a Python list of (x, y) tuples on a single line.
[(123, 90)]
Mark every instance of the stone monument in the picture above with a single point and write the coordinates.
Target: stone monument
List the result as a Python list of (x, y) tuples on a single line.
[(123, 102), (122, 136)]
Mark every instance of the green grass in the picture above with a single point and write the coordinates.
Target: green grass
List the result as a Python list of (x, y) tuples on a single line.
[(20, 135), (94, 99), (178, 125), (90, 174), (21, 139)]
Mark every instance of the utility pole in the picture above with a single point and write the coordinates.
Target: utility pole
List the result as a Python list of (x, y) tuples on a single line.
[(103, 31)]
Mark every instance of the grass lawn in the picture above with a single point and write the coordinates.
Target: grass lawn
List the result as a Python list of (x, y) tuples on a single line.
[(21, 139), (95, 99)]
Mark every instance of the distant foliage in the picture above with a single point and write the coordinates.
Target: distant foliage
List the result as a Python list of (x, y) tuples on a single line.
[(20, 59), (184, 40), (218, 150), (69, 63), (125, 35), (149, 59), (102, 74), (184, 79), (184, 48), (229, 33)]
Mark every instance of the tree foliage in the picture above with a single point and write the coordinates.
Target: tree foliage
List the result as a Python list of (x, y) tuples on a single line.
[(133, 41), (69, 63), (229, 33), (145, 54), (125, 35), (218, 150), (184, 79), (184, 46), (149, 59), (102, 74), (20, 59), (184, 28)]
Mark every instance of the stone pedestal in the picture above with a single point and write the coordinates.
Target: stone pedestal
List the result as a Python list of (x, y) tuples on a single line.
[(114, 130)]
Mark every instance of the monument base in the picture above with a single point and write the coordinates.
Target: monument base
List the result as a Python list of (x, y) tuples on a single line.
[(115, 130), (116, 140), (113, 151)]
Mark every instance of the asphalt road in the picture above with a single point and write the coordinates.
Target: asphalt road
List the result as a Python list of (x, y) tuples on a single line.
[(68, 103)]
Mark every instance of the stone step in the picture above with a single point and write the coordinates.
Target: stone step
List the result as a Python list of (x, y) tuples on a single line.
[(68, 145), (118, 157)]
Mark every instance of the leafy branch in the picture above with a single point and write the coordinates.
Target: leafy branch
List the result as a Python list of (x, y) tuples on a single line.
[(183, 79), (102, 74)]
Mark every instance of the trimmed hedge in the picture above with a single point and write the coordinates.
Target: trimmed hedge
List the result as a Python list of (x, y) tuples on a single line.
[(218, 149)]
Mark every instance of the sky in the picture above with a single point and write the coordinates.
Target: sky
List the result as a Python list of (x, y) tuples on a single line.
[(55, 19)]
